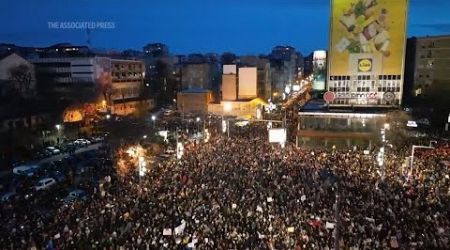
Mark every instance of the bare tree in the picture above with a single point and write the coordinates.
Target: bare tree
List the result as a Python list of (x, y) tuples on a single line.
[(21, 74)]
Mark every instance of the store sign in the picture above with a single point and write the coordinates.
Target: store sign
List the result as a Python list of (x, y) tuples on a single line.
[(389, 96), (355, 95), (412, 124), (365, 65)]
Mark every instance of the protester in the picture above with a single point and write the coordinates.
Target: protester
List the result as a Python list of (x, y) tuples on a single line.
[(244, 193)]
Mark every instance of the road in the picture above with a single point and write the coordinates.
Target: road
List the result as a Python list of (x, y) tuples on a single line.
[(57, 157)]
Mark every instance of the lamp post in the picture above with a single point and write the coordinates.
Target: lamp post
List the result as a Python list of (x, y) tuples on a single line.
[(381, 157), (142, 169), (153, 121), (198, 124), (227, 107), (58, 129)]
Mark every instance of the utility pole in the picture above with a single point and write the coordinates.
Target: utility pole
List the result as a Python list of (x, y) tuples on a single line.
[(337, 211)]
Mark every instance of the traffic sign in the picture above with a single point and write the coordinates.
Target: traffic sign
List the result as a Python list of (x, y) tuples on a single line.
[(329, 96)]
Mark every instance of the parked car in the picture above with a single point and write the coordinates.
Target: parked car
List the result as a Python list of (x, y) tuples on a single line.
[(53, 150), (8, 196), (76, 194), (26, 170), (44, 184), (81, 142), (96, 139), (43, 154), (168, 112), (58, 176)]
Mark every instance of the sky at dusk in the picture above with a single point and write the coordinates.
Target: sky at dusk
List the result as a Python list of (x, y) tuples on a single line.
[(189, 26)]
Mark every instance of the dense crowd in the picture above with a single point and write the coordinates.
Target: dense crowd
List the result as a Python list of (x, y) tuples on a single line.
[(244, 193)]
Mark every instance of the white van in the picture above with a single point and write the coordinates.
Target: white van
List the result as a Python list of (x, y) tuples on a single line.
[(44, 184), (26, 170)]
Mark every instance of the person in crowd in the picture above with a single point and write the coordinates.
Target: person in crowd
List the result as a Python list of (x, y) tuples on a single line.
[(244, 193)]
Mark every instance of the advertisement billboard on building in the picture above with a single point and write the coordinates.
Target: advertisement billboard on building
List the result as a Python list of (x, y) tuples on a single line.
[(229, 87), (247, 82), (319, 69), (367, 51), (277, 135), (229, 69)]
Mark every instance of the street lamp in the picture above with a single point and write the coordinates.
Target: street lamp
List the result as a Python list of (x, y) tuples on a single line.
[(198, 124), (108, 116), (142, 168), (58, 128), (381, 154), (227, 107), (153, 120)]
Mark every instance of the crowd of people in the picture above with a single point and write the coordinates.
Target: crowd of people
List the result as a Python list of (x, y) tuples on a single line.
[(244, 193)]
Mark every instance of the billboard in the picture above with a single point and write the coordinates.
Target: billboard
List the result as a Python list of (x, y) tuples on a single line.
[(229, 69), (277, 135), (229, 87), (367, 37), (247, 82), (319, 69)]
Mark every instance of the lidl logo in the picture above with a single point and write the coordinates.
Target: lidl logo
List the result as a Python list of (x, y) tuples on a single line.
[(365, 65)]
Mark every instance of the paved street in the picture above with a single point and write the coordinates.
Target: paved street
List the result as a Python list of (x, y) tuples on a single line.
[(57, 157)]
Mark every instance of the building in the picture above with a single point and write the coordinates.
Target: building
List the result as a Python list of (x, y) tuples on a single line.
[(300, 66), (262, 65), (194, 100), (341, 130), (319, 70), (132, 106), (197, 59), (124, 78), (72, 78), (197, 76), (247, 109), (427, 77), (283, 64), (127, 79), (308, 66), (229, 82), (367, 53), (156, 50), (247, 86), (57, 50), (17, 77), (127, 83), (105, 83), (364, 80), (427, 68), (228, 58), (154, 54)]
